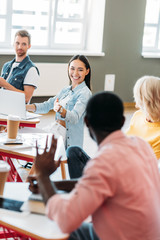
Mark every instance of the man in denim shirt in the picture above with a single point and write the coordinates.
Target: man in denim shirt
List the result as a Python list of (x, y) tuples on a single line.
[(20, 74)]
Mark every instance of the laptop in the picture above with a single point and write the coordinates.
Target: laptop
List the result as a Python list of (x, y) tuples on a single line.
[(13, 103)]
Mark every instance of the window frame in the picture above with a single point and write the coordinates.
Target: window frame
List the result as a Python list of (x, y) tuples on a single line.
[(90, 46), (152, 51)]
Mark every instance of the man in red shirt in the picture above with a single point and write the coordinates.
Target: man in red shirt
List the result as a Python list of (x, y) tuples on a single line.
[(119, 187)]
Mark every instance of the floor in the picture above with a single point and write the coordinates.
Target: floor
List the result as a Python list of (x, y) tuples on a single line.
[(89, 145)]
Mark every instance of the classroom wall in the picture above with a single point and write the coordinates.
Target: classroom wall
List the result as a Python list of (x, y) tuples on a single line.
[(123, 31)]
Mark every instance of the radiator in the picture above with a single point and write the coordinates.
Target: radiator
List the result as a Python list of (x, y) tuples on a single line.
[(53, 77)]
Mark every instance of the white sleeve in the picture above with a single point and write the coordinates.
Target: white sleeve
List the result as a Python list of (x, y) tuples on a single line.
[(32, 77)]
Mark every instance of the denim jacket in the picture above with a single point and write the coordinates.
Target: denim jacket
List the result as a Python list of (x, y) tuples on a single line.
[(75, 112), (18, 74)]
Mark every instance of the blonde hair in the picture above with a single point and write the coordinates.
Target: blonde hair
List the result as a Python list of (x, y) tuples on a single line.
[(147, 96)]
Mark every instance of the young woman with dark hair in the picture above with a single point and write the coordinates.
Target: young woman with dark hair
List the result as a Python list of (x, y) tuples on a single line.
[(70, 103)]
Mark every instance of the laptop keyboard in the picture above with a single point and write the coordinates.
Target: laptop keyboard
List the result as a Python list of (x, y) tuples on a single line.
[(30, 115)]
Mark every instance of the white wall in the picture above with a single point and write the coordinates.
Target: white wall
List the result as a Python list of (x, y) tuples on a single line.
[(53, 77)]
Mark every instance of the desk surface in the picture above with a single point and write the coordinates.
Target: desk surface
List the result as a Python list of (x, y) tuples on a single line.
[(32, 120), (33, 225), (28, 150)]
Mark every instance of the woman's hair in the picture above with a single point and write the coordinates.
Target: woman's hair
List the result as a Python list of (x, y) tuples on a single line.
[(147, 96), (83, 59)]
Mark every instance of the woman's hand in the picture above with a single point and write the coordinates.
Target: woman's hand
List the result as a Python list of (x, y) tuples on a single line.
[(57, 106), (31, 107), (44, 163)]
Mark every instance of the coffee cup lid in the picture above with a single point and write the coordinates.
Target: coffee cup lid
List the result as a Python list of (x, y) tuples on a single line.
[(4, 166), (13, 118)]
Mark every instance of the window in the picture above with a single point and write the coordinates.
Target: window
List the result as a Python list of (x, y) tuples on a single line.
[(151, 37), (53, 24)]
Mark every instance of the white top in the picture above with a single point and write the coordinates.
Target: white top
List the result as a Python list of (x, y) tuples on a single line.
[(65, 100)]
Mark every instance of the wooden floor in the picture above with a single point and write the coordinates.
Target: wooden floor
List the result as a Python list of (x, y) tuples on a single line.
[(89, 145)]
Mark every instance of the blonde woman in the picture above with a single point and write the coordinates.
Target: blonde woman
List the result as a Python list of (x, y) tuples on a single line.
[(145, 122)]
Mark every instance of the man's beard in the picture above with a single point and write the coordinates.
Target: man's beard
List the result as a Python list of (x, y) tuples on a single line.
[(21, 54)]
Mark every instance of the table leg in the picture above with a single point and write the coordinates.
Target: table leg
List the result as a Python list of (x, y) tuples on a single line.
[(63, 170), (7, 233), (13, 174)]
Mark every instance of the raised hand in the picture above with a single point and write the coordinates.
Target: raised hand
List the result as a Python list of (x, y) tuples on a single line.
[(57, 106), (45, 164)]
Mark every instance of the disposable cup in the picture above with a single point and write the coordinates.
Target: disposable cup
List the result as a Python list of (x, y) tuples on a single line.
[(4, 170), (12, 126)]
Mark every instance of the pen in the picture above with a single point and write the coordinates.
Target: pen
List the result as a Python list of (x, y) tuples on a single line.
[(13, 143)]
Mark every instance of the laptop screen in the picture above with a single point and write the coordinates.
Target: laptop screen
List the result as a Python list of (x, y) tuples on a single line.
[(13, 103)]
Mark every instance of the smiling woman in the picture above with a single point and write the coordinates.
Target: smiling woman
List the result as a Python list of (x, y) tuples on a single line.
[(70, 103), (78, 71)]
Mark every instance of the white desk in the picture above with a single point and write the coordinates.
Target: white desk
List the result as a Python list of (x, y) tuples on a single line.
[(31, 225), (27, 151), (23, 123)]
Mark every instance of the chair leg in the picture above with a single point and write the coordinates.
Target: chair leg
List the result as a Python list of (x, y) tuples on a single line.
[(63, 170), (32, 170)]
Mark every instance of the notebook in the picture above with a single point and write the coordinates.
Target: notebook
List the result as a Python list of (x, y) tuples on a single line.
[(13, 103), (11, 204), (35, 203), (34, 206)]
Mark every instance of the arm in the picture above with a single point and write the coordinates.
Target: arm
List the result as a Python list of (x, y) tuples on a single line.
[(59, 108), (73, 115), (48, 188), (65, 185), (28, 90), (43, 107)]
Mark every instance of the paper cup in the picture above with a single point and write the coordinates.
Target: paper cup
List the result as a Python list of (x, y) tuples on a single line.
[(4, 170), (12, 126)]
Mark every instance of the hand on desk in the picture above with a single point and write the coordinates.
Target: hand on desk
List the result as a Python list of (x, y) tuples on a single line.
[(33, 185), (65, 185)]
